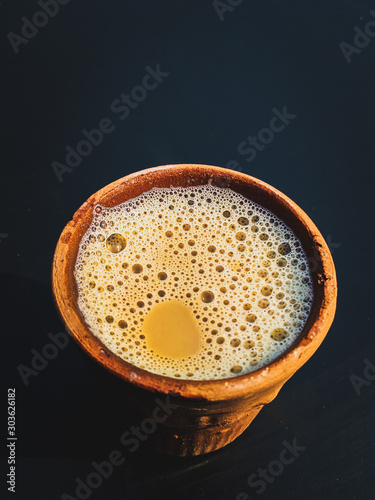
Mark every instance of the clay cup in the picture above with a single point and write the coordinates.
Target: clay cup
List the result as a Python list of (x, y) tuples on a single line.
[(206, 415)]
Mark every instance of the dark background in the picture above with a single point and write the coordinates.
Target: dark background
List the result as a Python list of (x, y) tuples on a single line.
[(225, 77)]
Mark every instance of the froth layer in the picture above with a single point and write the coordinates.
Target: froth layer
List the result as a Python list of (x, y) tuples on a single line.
[(240, 271)]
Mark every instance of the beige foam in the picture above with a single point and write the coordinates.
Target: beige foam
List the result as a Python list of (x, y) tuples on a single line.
[(237, 267)]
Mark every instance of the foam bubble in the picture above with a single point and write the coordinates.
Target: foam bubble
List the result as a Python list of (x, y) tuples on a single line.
[(229, 278)]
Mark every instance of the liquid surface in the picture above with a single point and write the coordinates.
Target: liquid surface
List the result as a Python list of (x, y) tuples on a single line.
[(195, 283), (171, 330)]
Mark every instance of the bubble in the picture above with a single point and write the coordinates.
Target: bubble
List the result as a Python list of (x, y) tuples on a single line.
[(207, 296), (284, 249), (251, 318), (115, 243), (266, 290), (240, 236), (162, 276), (235, 342), (137, 268), (109, 319), (243, 221), (122, 324), (279, 334), (226, 214), (211, 248), (281, 262), (263, 303), (236, 369), (249, 344)]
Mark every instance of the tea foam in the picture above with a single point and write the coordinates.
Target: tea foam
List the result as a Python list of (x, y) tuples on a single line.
[(238, 268)]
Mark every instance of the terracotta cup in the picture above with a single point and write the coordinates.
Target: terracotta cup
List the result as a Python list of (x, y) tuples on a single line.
[(205, 415)]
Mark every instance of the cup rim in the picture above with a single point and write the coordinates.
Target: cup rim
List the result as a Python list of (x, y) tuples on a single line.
[(257, 381)]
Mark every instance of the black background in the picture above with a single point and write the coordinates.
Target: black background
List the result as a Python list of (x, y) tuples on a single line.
[(225, 77)]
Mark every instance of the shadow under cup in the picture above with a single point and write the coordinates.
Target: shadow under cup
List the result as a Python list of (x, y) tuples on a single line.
[(196, 417)]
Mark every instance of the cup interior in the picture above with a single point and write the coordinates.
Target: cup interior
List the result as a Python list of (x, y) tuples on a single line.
[(322, 273)]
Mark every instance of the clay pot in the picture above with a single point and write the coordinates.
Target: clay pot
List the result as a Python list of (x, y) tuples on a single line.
[(206, 415)]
